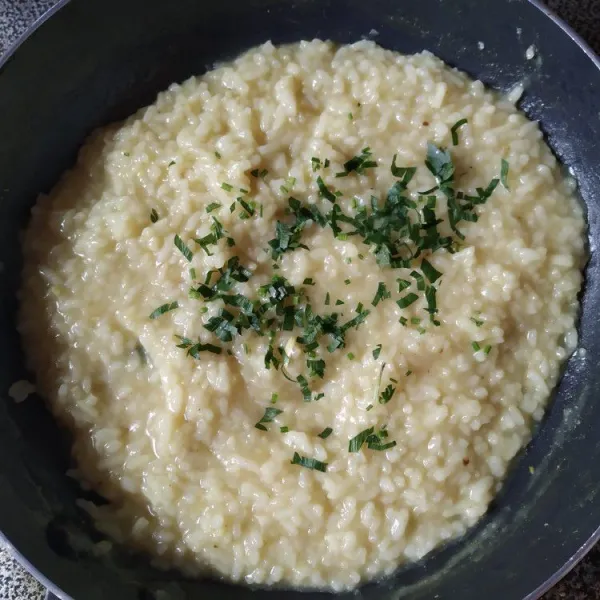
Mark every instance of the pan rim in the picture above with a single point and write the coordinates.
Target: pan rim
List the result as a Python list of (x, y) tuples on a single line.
[(579, 554)]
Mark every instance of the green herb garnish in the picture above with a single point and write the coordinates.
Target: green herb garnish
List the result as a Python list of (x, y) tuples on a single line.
[(358, 164), (405, 174), (259, 173), (270, 414), (180, 245), (165, 308), (403, 284), (387, 394), (381, 294), (194, 350), (504, 174), (357, 441), (247, 206), (419, 279), (324, 191), (222, 326), (429, 271), (213, 206), (309, 463), (154, 215), (325, 433), (407, 300), (454, 130)]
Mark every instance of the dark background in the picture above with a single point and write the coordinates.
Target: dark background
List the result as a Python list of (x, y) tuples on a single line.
[(583, 583)]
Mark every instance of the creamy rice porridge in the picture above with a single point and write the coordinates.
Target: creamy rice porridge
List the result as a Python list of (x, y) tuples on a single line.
[(280, 359)]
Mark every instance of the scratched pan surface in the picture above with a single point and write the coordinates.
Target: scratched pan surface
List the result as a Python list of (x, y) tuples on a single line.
[(95, 61)]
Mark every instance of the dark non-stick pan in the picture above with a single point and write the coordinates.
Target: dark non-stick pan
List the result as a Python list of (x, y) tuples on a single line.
[(95, 61)]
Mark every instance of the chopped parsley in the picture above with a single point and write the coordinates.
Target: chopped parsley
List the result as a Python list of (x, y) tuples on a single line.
[(324, 191), (398, 230), (222, 326), (387, 394), (429, 271), (439, 162), (478, 322), (259, 173), (357, 441), (309, 463), (402, 284), (290, 182), (218, 232), (154, 215), (325, 433), (405, 174), (407, 300), (476, 347), (180, 245), (431, 298), (371, 439), (454, 130), (164, 308), (193, 349), (213, 206), (359, 164), (381, 294), (268, 417), (287, 236), (504, 174), (419, 279), (248, 207)]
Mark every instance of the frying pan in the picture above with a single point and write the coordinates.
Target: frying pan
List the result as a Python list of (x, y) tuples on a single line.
[(96, 61)]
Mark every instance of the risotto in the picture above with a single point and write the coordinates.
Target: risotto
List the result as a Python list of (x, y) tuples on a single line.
[(301, 312)]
